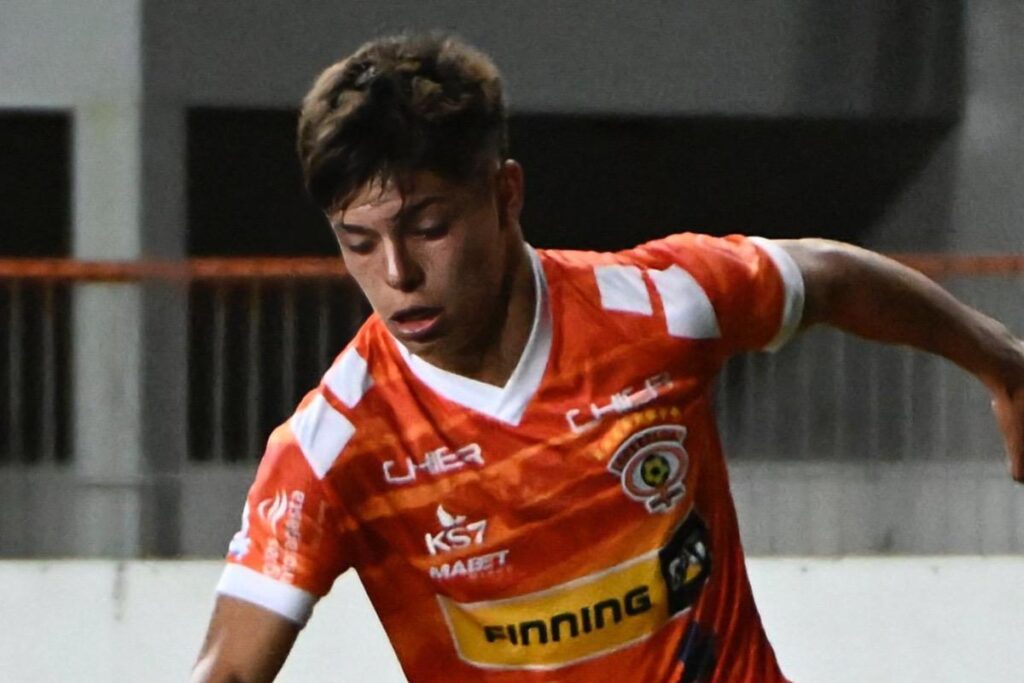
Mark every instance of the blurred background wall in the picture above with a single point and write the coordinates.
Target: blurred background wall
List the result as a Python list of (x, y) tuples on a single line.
[(133, 415)]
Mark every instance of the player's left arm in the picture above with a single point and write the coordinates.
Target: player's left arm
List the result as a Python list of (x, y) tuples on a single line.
[(877, 298)]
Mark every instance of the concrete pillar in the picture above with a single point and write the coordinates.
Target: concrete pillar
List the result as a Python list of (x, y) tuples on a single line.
[(107, 347), (988, 209), (130, 340), (164, 330), (970, 196)]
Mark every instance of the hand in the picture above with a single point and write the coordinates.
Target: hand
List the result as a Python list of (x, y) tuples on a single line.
[(1008, 405), (1009, 410)]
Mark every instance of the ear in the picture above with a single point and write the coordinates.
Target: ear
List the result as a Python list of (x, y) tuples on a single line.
[(510, 192)]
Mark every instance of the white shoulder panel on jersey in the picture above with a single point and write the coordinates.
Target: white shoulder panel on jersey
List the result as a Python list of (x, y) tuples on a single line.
[(688, 310), (294, 604), (793, 280), (623, 289), (349, 379), (322, 433)]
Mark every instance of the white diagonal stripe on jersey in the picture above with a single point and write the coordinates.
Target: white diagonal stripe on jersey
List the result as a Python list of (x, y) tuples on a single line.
[(322, 433), (688, 310), (349, 379), (623, 289)]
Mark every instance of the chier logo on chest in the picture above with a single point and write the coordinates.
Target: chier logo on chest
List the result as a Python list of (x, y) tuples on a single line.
[(627, 400), (436, 463)]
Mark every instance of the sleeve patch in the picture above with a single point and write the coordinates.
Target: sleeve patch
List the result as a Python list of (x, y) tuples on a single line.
[(322, 433), (688, 310), (243, 583), (623, 288), (349, 379)]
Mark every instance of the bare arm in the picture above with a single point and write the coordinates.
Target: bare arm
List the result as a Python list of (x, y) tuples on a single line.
[(244, 644), (877, 298)]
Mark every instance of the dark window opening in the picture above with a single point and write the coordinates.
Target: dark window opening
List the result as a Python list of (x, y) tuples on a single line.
[(35, 221), (606, 183)]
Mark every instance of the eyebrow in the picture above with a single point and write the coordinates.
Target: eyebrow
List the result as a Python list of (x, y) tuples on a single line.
[(420, 204), (404, 214), (357, 229)]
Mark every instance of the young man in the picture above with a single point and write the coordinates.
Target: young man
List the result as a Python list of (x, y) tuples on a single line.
[(517, 451)]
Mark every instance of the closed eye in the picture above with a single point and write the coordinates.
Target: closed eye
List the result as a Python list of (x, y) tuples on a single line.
[(354, 238), (363, 247), (431, 232)]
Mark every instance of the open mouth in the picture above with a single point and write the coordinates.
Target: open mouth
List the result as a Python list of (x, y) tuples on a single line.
[(416, 323)]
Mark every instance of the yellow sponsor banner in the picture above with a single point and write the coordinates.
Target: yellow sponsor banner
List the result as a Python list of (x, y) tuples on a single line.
[(578, 620)]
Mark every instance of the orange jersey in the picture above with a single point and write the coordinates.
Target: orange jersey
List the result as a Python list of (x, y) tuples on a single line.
[(574, 525)]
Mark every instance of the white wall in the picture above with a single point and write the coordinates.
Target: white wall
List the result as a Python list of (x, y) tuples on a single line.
[(855, 619)]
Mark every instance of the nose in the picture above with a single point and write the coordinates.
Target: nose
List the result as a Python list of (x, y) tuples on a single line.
[(402, 272)]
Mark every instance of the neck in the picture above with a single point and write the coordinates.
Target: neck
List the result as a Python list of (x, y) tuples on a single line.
[(493, 357)]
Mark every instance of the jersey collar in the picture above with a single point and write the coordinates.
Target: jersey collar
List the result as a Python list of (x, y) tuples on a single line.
[(507, 403)]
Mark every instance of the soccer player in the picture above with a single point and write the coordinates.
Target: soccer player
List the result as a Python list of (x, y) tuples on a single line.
[(517, 451)]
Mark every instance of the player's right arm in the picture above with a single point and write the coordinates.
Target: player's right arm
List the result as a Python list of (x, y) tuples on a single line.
[(295, 539), (244, 644)]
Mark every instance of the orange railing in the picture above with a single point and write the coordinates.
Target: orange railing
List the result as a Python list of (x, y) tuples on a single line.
[(193, 269), (932, 264), (949, 265), (260, 330), (248, 320)]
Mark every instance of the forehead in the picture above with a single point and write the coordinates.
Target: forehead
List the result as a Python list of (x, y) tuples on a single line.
[(378, 200)]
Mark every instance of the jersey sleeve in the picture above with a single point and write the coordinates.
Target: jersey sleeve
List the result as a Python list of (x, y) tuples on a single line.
[(746, 292), (293, 541)]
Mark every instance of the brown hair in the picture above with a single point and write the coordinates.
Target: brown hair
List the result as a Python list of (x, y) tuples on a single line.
[(400, 104)]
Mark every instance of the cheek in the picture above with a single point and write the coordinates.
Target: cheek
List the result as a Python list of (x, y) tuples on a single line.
[(474, 270), (361, 271), (484, 251)]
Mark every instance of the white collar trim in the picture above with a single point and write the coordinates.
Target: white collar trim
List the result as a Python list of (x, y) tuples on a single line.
[(507, 403)]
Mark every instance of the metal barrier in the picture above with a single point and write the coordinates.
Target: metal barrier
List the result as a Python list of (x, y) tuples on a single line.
[(260, 332), (33, 365), (254, 349)]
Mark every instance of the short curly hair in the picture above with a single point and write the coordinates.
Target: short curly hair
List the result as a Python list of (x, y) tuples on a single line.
[(400, 104)]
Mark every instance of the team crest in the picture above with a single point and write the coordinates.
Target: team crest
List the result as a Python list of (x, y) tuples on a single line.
[(651, 465)]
